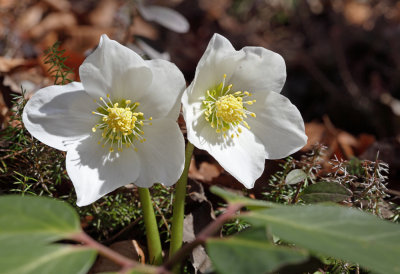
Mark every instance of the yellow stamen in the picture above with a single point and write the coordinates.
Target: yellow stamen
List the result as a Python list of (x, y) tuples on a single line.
[(226, 109), (120, 125)]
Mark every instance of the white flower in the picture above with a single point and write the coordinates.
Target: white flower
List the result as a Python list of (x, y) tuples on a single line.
[(234, 111), (118, 126)]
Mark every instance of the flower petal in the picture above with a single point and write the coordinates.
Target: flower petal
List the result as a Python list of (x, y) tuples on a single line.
[(162, 98), (166, 17), (243, 157), (95, 172), (162, 155), (193, 115), (219, 58), (115, 69), (59, 115), (278, 125), (259, 70)]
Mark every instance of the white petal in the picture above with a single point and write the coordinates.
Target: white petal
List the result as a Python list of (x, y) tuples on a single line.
[(243, 157), (59, 115), (95, 172), (259, 70), (114, 69), (194, 118), (219, 58), (278, 125), (162, 155), (162, 98), (166, 17)]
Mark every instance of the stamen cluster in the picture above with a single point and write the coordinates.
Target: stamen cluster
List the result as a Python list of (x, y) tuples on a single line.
[(120, 123), (226, 109)]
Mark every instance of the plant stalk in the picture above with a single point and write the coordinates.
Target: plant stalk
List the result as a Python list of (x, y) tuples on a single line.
[(152, 234), (202, 237), (179, 204)]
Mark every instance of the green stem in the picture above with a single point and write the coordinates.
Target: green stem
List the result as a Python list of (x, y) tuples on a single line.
[(152, 234), (179, 204)]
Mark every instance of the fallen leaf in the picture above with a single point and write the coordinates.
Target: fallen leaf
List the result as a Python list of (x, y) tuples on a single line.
[(60, 5), (7, 64), (31, 17), (129, 248), (357, 13), (103, 14), (53, 21), (8, 4), (143, 28), (347, 143), (206, 172)]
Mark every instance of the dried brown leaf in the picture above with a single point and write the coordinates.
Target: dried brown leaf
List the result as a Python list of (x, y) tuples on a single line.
[(103, 14), (53, 21), (8, 64)]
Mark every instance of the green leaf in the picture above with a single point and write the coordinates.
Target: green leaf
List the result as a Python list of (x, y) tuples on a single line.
[(233, 198), (37, 219), (325, 192), (239, 255), (31, 258), (258, 234), (28, 225), (145, 269), (336, 231), (295, 176)]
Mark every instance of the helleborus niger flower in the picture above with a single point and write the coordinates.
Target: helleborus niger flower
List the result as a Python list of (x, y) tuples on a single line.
[(118, 126), (234, 111)]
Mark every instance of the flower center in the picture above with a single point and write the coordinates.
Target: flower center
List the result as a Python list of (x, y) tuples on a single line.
[(226, 109), (120, 122), (230, 108), (121, 119)]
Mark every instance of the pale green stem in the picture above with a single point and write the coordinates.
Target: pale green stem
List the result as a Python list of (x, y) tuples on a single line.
[(179, 204), (152, 234)]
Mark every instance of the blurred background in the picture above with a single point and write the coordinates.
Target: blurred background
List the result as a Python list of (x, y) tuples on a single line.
[(342, 56)]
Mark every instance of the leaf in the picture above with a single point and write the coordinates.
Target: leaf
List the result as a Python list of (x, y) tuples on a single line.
[(233, 198), (325, 192), (143, 269), (165, 16), (344, 233), (7, 64), (28, 225), (37, 219), (31, 258), (295, 176), (238, 255)]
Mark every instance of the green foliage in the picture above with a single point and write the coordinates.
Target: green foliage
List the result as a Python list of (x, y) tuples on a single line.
[(28, 226), (29, 258), (344, 233), (37, 219), (365, 179), (237, 255), (28, 166), (295, 176), (233, 227), (58, 70), (325, 192), (112, 213), (285, 185), (236, 199)]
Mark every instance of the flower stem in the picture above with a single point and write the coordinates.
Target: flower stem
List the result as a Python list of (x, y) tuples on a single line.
[(202, 237), (152, 234), (179, 204)]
